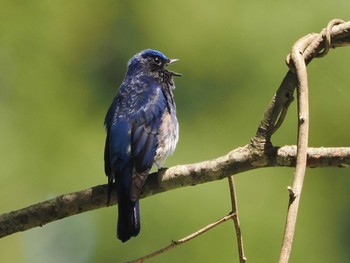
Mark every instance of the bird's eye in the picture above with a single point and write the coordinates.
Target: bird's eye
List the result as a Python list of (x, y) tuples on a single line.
[(157, 60)]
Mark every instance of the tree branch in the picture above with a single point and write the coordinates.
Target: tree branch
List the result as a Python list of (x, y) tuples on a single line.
[(340, 35), (303, 136), (235, 219), (297, 62), (184, 240), (237, 161)]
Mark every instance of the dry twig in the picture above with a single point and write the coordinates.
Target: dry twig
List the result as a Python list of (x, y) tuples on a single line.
[(235, 218), (303, 133), (183, 240), (298, 60)]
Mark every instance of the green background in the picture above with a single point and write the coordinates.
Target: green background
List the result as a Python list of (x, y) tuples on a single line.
[(61, 63)]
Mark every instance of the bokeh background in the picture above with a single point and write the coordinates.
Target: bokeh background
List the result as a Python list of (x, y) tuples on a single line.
[(61, 63)]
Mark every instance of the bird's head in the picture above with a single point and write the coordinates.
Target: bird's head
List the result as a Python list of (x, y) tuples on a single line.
[(152, 61)]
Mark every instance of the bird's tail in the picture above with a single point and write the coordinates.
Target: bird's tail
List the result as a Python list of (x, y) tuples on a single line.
[(128, 218)]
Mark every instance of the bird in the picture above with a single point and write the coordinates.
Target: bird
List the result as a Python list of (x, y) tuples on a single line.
[(141, 131)]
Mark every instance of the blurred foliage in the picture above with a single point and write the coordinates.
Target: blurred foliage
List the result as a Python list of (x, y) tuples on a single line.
[(60, 65)]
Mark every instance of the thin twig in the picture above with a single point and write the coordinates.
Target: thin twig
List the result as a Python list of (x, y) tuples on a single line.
[(183, 240), (235, 218), (303, 133), (302, 53), (284, 111), (327, 37)]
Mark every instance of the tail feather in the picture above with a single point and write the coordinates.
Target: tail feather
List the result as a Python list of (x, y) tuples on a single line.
[(128, 218)]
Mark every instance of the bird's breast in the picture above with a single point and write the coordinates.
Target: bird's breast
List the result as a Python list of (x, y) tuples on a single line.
[(167, 138)]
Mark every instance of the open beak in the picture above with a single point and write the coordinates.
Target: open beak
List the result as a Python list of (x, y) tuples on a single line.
[(172, 72), (173, 60)]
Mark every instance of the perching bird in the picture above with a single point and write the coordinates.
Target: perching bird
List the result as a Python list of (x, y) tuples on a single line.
[(142, 130)]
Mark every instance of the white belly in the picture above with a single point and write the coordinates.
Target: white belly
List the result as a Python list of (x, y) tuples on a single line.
[(167, 138)]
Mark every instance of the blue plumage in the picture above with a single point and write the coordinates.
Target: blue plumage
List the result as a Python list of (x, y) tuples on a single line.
[(142, 130)]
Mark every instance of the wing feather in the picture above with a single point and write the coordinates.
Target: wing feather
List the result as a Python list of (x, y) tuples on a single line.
[(132, 125)]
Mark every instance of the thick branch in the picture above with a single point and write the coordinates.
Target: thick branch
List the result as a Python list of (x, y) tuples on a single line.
[(236, 161)]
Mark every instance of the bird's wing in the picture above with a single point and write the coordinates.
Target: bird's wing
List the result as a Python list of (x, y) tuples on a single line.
[(145, 129), (132, 135)]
